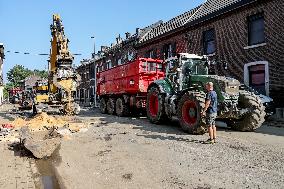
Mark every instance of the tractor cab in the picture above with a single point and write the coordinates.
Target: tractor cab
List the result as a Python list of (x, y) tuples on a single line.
[(184, 65)]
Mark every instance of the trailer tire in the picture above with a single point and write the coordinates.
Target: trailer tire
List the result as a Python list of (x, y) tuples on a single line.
[(155, 106), (111, 106), (121, 108), (103, 106), (189, 113), (252, 119)]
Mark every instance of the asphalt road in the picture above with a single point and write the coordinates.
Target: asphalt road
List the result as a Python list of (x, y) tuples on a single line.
[(132, 153)]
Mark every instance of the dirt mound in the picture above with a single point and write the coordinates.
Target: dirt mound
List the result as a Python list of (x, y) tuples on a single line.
[(39, 122)]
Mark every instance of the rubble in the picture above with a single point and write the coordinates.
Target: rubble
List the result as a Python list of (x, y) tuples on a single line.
[(41, 144)]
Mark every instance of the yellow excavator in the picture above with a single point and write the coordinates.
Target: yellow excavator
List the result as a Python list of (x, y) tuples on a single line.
[(62, 77)]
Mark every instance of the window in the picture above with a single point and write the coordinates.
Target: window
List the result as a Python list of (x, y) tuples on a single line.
[(169, 50), (255, 29), (109, 65), (151, 54), (209, 41), (119, 61)]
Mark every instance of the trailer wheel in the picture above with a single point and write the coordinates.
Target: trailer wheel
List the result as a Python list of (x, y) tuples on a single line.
[(155, 106), (111, 106), (189, 113), (121, 108), (103, 106)]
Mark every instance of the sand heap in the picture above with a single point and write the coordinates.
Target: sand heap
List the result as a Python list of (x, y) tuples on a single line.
[(39, 122)]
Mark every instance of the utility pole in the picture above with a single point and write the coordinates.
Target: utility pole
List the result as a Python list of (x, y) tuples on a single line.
[(94, 59)]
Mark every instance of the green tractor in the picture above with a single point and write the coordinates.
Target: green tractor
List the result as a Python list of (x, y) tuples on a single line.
[(182, 93)]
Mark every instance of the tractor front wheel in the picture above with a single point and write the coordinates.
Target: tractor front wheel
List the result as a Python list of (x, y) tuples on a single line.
[(252, 119), (189, 113)]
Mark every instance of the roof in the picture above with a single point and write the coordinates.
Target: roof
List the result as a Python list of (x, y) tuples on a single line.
[(206, 11), (140, 33), (213, 8), (170, 25)]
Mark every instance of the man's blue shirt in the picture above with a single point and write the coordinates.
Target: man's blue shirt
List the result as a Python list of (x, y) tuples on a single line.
[(212, 96)]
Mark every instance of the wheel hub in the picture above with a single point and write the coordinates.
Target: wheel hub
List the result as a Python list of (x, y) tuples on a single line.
[(189, 112)]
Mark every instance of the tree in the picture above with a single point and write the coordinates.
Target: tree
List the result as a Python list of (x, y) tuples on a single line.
[(41, 73), (17, 74)]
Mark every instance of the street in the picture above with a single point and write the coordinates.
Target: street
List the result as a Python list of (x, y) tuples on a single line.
[(124, 152)]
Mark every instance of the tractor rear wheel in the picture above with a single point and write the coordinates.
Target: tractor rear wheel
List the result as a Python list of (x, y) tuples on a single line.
[(103, 106), (121, 107), (189, 112), (255, 116), (155, 106), (111, 106)]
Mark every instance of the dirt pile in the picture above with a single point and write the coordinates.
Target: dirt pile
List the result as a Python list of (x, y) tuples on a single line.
[(39, 122)]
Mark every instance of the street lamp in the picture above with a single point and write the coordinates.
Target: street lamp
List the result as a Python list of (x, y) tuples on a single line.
[(94, 59)]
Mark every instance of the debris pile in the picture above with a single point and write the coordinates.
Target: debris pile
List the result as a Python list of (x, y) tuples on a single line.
[(41, 134), (39, 122)]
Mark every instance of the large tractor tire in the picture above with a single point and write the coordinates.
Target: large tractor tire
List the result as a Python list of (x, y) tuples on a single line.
[(103, 106), (155, 106), (255, 116), (189, 112), (111, 106), (121, 108)]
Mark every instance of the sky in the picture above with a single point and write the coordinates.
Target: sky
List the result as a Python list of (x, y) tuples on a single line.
[(25, 25)]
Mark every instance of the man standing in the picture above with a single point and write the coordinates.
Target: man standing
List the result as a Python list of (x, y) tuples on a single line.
[(210, 111)]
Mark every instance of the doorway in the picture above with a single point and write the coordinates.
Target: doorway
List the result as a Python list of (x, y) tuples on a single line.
[(256, 75)]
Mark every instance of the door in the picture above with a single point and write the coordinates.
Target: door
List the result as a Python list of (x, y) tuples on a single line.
[(256, 75), (257, 78)]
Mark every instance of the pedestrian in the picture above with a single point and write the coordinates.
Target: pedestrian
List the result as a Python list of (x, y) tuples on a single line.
[(210, 111)]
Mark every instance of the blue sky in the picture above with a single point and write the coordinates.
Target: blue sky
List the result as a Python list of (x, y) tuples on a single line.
[(25, 24)]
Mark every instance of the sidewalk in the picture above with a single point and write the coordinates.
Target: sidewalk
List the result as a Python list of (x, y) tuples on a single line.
[(16, 172)]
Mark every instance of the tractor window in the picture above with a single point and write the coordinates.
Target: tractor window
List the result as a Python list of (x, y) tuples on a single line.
[(200, 67)]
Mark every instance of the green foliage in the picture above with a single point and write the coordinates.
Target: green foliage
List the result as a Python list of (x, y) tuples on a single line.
[(7, 87), (41, 73), (18, 73)]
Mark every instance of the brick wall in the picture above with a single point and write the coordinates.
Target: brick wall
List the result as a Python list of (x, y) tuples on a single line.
[(231, 38)]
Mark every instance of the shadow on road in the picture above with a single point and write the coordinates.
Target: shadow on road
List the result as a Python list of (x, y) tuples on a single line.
[(269, 130), (171, 127)]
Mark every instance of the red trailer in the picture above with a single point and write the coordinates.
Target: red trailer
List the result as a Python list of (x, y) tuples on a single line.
[(124, 87)]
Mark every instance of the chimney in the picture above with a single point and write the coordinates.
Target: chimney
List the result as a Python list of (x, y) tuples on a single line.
[(127, 35), (137, 30), (104, 48), (118, 39)]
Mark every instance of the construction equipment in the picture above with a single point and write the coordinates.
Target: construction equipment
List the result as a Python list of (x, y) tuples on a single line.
[(182, 93), (62, 78), (123, 89), (41, 92)]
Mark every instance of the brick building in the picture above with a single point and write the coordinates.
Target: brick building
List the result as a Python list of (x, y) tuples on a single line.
[(243, 37), (83, 89)]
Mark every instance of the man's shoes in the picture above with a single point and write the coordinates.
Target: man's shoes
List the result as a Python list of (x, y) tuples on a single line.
[(209, 141), (214, 139)]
